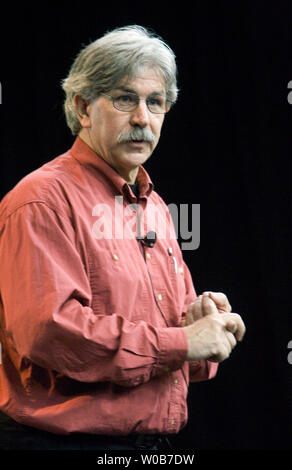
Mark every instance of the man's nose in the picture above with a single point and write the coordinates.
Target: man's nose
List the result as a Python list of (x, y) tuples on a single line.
[(141, 115)]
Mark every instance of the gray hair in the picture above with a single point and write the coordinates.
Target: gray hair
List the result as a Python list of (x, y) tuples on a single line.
[(102, 65)]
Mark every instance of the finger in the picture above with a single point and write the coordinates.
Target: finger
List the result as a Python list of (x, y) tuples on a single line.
[(223, 353), (194, 311), (221, 301), (234, 323), (208, 306), (240, 332), (231, 326), (189, 314), (231, 339)]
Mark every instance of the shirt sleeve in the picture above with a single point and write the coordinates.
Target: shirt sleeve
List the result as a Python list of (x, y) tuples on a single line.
[(202, 370), (48, 320)]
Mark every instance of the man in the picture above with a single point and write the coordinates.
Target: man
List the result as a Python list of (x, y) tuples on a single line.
[(101, 331)]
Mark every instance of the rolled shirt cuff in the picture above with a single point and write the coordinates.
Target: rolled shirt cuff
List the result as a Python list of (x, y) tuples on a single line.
[(173, 347)]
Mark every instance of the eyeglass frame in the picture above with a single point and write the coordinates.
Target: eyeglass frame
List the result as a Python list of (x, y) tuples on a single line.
[(137, 104)]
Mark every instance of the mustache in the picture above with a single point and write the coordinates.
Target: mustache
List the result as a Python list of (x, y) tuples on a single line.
[(137, 134)]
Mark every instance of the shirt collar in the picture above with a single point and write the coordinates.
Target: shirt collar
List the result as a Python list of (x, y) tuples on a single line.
[(86, 156)]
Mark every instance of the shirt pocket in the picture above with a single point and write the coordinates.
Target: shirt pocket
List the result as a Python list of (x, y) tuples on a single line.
[(116, 284)]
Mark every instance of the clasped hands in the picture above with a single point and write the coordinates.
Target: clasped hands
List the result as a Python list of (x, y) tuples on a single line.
[(212, 329)]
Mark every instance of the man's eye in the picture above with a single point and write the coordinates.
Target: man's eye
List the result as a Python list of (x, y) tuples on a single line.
[(156, 103), (125, 99)]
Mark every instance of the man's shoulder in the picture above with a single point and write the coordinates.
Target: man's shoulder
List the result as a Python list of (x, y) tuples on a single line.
[(46, 184)]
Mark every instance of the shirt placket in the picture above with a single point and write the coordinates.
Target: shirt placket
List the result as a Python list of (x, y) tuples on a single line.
[(176, 379)]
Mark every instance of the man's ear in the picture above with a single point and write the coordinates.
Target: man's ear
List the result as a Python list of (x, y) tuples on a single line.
[(82, 107)]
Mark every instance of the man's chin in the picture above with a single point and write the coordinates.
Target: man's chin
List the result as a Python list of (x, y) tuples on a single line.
[(136, 157)]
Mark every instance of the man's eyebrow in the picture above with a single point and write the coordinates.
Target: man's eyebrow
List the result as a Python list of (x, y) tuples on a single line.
[(124, 88), (130, 90)]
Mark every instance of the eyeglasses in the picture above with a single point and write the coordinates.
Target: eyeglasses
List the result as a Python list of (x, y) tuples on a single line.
[(130, 101)]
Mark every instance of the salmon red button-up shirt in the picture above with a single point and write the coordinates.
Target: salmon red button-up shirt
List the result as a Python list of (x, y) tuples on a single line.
[(89, 316)]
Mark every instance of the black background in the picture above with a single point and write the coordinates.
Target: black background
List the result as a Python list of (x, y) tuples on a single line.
[(225, 145)]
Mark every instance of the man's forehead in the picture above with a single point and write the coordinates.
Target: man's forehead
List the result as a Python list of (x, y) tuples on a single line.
[(150, 80)]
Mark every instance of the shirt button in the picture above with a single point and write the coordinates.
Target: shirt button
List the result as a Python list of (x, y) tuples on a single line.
[(159, 297), (148, 255), (115, 257), (175, 381), (172, 422)]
